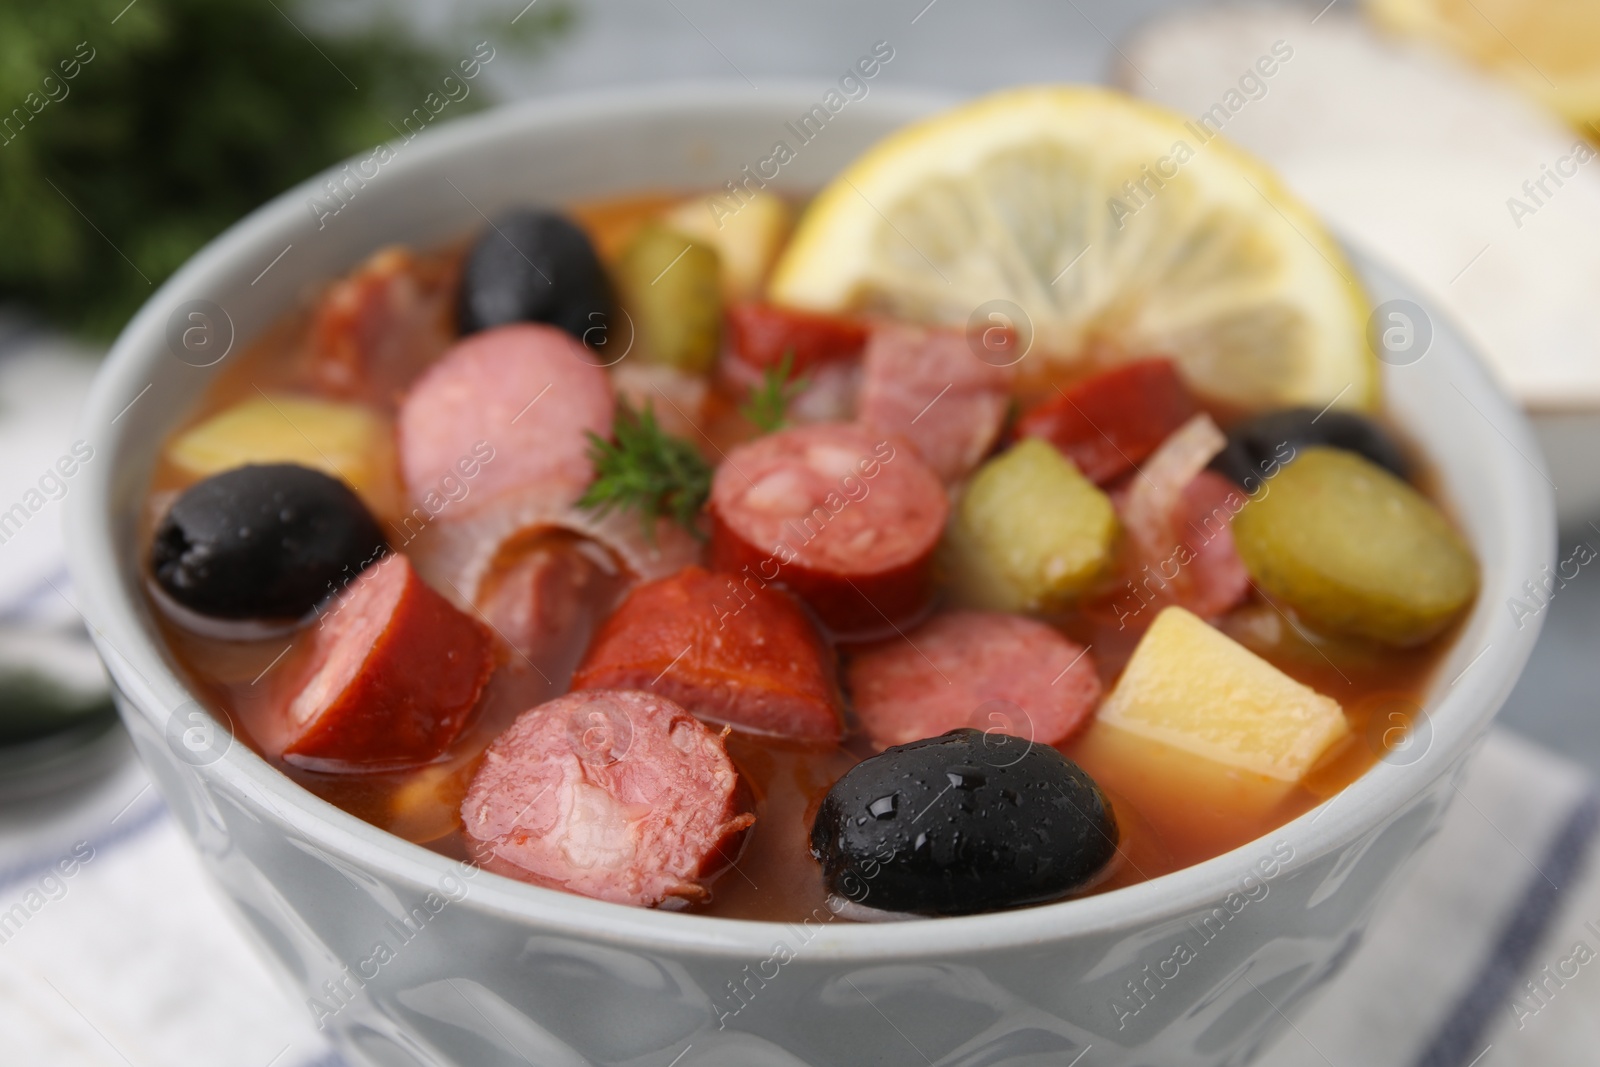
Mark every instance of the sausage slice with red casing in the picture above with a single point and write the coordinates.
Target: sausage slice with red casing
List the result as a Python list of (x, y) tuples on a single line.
[(930, 387), (618, 795), (845, 518), (762, 334), (1110, 423), (742, 654), (530, 393), (389, 677), (985, 670)]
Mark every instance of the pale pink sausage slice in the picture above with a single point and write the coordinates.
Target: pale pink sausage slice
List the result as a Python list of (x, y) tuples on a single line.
[(930, 387), (984, 670), (530, 393), (618, 795)]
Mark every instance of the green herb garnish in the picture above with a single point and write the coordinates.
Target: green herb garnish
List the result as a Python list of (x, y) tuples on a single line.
[(649, 471), (135, 132), (767, 407)]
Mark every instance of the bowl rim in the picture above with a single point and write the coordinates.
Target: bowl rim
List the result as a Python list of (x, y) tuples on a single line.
[(137, 666)]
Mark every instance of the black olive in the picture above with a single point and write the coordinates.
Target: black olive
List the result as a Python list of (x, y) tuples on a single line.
[(535, 266), (1257, 447), (961, 823), (263, 542)]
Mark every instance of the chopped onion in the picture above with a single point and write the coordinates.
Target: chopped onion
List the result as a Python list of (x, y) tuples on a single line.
[(1157, 487), (456, 554)]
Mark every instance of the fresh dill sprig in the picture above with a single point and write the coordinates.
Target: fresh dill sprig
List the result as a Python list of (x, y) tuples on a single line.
[(767, 407), (649, 471)]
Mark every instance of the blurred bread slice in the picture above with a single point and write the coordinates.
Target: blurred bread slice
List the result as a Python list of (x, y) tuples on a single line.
[(1548, 48), (1417, 157)]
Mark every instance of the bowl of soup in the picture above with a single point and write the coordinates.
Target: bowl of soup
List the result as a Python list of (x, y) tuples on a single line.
[(673, 574)]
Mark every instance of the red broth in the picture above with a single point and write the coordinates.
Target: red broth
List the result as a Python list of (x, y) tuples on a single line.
[(1164, 825)]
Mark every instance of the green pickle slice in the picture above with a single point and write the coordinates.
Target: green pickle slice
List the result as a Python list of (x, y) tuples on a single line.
[(672, 285), (1031, 533), (1356, 550)]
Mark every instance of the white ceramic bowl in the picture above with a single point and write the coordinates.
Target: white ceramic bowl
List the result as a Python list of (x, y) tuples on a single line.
[(476, 970)]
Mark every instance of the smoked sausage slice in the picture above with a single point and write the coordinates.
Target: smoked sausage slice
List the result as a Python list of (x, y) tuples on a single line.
[(929, 387), (743, 654), (389, 677), (844, 517), (526, 395), (379, 327), (613, 794), (986, 670), (1110, 423), (762, 334)]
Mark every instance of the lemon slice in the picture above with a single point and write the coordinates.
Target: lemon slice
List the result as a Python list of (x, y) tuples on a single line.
[(1548, 47), (1113, 225)]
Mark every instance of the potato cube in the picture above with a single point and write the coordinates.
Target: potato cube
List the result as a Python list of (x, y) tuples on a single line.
[(1196, 801), (347, 441), (747, 234), (1030, 533), (1194, 688)]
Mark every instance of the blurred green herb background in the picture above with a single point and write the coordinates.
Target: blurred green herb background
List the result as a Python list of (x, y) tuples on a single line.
[(130, 134)]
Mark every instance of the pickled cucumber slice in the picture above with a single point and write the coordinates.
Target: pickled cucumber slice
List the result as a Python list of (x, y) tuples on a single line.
[(1355, 550), (1031, 532), (671, 284)]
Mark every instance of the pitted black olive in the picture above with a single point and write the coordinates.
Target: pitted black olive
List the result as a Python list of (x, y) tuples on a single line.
[(535, 266), (263, 542), (1259, 446), (961, 823)]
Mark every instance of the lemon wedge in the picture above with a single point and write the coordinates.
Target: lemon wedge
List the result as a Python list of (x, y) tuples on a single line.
[(1102, 224), (1551, 48)]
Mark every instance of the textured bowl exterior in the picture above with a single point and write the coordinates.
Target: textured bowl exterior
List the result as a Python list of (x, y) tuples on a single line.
[(409, 958)]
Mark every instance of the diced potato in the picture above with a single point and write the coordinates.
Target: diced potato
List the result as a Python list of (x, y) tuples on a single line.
[(1194, 688), (347, 441), (1356, 550), (670, 285), (1197, 797), (747, 236), (1030, 533)]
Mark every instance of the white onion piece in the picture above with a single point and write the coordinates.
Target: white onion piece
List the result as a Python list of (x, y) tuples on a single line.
[(1158, 485), (223, 629), (846, 908), (677, 398), (455, 554), (829, 395)]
